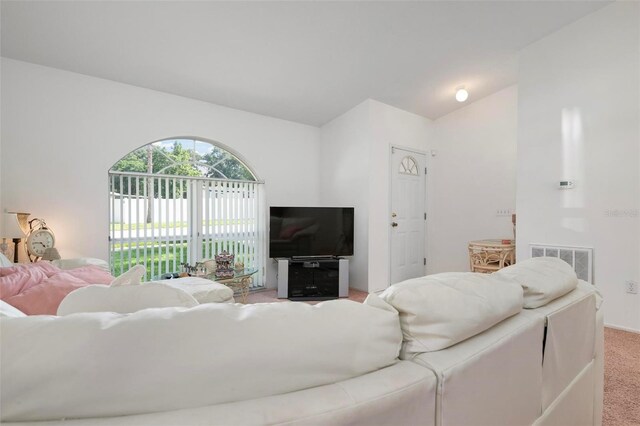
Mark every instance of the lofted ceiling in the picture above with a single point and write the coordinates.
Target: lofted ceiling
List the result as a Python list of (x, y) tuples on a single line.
[(302, 61)]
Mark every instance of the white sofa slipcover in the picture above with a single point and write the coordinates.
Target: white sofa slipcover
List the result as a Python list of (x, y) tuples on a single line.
[(573, 368), (573, 405), (493, 378), (438, 311), (568, 349), (543, 279), (397, 395), (598, 369), (7, 310), (496, 377), (106, 364)]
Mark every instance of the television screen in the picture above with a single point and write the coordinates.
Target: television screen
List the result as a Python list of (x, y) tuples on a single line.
[(310, 231)]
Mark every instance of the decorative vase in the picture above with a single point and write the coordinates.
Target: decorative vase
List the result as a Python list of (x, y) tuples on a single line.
[(224, 265)]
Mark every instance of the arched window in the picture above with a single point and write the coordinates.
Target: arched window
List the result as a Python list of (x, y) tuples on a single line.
[(184, 200), (185, 157), (408, 166)]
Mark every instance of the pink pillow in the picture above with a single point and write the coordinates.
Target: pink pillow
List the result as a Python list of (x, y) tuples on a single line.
[(44, 298), (45, 267), (8, 270), (48, 268), (20, 280)]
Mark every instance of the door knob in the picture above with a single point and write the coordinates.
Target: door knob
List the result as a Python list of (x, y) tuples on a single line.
[(394, 224), (393, 214)]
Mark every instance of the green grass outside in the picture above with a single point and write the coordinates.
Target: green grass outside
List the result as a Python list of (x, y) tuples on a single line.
[(155, 256)]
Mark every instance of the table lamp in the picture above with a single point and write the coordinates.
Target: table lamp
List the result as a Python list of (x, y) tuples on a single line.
[(12, 230)]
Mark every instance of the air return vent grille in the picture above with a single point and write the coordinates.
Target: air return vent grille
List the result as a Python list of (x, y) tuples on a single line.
[(581, 258)]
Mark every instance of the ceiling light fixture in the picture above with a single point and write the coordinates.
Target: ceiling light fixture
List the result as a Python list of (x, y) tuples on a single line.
[(461, 94)]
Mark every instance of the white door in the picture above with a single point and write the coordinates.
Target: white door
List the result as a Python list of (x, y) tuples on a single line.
[(408, 214)]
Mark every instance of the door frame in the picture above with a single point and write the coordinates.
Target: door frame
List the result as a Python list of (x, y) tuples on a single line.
[(390, 197)]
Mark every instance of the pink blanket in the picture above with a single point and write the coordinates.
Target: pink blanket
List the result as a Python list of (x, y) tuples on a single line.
[(38, 288)]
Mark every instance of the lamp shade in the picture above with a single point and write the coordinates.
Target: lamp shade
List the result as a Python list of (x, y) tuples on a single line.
[(11, 226), (51, 254)]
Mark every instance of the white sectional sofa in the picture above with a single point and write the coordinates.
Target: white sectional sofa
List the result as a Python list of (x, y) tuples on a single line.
[(338, 362)]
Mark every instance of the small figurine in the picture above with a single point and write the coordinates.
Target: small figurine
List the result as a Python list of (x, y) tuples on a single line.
[(224, 265)]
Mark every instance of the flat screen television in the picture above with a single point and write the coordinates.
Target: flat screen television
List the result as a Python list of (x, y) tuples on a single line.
[(310, 231)]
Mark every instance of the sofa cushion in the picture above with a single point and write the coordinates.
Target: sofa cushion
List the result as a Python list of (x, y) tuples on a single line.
[(107, 364), (202, 289), (543, 279), (440, 310), (124, 299)]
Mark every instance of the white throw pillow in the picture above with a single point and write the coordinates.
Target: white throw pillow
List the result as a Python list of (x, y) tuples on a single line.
[(4, 261), (202, 289), (6, 310), (106, 364), (132, 277), (543, 279), (124, 299), (438, 311), (80, 262)]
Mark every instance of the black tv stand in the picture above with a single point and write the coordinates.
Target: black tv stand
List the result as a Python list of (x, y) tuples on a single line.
[(310, 258), (313, 278)]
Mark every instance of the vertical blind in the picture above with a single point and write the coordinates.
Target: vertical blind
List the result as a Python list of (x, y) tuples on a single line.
[(163, 221)]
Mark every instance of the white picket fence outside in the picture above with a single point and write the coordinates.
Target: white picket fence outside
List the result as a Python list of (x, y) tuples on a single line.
[(193, 219), (137, 206)]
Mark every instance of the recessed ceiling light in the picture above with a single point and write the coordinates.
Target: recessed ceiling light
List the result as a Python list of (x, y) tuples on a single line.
[(461, 94)]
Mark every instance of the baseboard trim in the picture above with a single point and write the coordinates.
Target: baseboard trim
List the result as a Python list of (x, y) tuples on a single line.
[(619, 327)]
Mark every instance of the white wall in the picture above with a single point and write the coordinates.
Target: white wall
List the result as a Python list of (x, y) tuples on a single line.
[(473, 174), (354, 170), (391, 126), (63, 131), (345, 155), (579, 119)]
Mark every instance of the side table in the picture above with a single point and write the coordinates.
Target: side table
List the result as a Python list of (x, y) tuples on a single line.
[(241, 281), (491, 255)]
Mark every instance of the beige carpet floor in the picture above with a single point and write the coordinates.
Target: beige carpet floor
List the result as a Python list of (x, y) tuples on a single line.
[(621, 369), (621, 378), (267, 296)]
